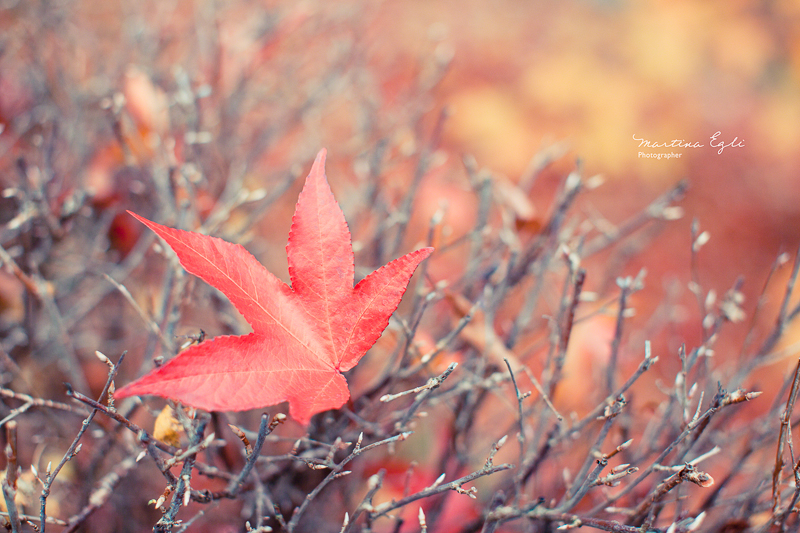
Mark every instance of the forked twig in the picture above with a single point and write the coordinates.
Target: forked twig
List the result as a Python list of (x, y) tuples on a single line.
[(338, 471), (786, 420), (74, 448), (265, 428), (521, 431), (488, 469)]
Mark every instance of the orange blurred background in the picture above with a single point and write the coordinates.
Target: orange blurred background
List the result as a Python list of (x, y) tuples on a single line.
[(515, 77)]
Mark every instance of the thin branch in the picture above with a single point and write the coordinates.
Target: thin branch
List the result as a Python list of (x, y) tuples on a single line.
[(736, 397), (102, 493), (657, 210), (265, 428), (31, 401), (566, 328), (687, 473), (430, 385), (442, 343), (648, 361), (568, 521), (549, 235), (336, 472), (578, 491), (784, 315), (9, 484), (428, 388), (143, 435), (520, 434), (782, 436), (626, 287), (74, 448), (374, 484), (182, 492), (488, 469), (30, 519), (543, 394), (148, 321)]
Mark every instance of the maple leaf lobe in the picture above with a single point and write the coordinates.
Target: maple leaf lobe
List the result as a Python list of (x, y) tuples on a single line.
[(303, 336)]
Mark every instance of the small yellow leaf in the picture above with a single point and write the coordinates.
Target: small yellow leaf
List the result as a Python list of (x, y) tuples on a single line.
[(167, 428)]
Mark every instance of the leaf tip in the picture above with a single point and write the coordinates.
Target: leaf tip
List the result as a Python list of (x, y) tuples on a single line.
[(422, 254), (149, 223), (318, 168)]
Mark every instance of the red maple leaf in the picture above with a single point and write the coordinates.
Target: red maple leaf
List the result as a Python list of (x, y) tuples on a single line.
[(304, 336)]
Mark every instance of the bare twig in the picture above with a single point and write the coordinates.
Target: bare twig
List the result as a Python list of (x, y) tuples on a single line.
[(374, 484), (626, 287), (10, 482), (648, 361), (572, 186), (430, 385), (143, 435), (74, 448), (578, 491), (148, 321), (488, 469), (782, 436), (336, 472), (657, 210), (690, 428), (101, 493), (568, 521), (265, 428), (30, 401), (687, 473), (520, 434), (442, 343), (566, 328), (423, 163), (182, 492), (427, 389)]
